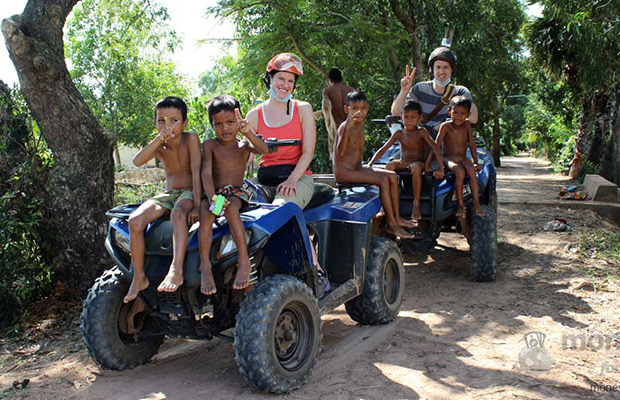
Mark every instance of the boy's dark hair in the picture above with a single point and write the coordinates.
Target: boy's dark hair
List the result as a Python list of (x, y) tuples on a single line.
[(411, 105), (461, 101), (334, 75), (172, 102), (355, 96), (221, 103)]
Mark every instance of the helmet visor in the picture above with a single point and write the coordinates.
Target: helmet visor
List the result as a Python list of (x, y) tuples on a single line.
[(288, 62)]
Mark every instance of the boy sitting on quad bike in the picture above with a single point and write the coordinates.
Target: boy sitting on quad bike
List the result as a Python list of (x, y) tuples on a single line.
[(455, 135), (179, 152), (223, 165), (348, 153), (412, 144)]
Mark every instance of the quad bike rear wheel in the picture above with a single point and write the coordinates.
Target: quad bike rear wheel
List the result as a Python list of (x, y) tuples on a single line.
[(384, 285)]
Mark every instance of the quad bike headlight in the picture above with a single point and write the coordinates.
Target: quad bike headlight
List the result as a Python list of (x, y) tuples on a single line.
[(122, 241), (228, 246), (466, 192)]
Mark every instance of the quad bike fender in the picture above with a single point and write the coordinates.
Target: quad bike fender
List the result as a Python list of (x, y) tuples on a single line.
[(288, 244)]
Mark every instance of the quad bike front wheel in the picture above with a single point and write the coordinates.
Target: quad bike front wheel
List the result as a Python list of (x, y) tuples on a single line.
[(110, 328), (278, 334), (384, 285), (483, 244)]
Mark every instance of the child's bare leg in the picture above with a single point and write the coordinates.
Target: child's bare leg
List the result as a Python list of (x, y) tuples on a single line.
[(395, 165), (374, 177), (242, 279), (178, 217), (393, 185), (459, 176), (416, 175), (138, 220), (473, 185), (205, 237)]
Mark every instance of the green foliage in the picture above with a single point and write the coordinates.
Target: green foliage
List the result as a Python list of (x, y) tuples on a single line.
[(24, 162), (121, 55), (601, 244), (577, 40), (548, 132), (125, 193), (371, 47)]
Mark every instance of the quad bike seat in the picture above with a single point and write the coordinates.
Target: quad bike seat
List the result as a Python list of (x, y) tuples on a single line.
[(322, 194)]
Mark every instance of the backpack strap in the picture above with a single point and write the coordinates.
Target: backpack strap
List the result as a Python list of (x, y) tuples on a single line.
[(445, 100)]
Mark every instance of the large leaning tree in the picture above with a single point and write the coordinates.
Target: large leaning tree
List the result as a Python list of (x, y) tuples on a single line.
[(81, 182)]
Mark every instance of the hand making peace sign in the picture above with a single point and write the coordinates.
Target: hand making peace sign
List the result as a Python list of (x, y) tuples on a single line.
[(244, 127), (407, 80)]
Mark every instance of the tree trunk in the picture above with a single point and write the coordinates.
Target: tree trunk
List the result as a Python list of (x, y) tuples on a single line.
[(581, 143), (411, 26), (610, 161), (496, 151), (81, 182)]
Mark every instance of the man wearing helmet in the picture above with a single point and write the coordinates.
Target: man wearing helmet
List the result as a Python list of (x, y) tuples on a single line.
[(431, 94)]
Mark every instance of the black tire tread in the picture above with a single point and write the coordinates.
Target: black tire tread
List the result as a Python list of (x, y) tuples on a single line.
[(100, 330), (370, 307), (484, 245), (252, 339)]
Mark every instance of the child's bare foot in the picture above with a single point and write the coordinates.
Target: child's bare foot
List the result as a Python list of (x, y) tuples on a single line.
[(479, 211), (406, 223), (417, 215), (137, 285), (400, 232), (172, 281), (242, 279), (460, 213), (207, 284)]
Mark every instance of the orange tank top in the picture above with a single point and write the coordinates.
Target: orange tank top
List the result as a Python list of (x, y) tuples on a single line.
[(285, 155)]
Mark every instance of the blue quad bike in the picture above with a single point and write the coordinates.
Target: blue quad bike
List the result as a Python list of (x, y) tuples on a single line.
[(277, 322), (438, 206)]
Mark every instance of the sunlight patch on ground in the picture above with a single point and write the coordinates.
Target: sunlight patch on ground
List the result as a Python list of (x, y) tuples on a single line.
[(155, 396)]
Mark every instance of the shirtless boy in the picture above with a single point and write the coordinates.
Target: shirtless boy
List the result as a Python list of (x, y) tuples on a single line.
[(348, 153), (333, 104), (223, 165), (412, 140), (455, 135), (179, 153)]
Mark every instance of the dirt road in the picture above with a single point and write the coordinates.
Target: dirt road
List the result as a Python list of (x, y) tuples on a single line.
[(453, 338)]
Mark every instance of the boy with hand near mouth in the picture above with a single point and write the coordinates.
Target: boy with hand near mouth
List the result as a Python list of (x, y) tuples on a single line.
[(348, 153), (179, 153)]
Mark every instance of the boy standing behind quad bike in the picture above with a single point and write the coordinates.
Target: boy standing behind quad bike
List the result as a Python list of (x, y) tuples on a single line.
[(412, 140), (179, 152)]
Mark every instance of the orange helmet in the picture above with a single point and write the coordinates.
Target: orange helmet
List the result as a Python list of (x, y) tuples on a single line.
[(287, 62)]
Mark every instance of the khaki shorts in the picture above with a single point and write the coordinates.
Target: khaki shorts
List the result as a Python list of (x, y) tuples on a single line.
[(168, 199), (305, 191)]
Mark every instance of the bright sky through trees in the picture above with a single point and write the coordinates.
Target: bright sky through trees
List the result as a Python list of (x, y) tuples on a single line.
[(187, 17)]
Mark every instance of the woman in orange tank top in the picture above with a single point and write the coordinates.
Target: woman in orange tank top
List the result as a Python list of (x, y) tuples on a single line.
[(283, 118)]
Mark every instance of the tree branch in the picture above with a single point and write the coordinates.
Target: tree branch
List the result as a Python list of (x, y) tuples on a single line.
[(303, 55)]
